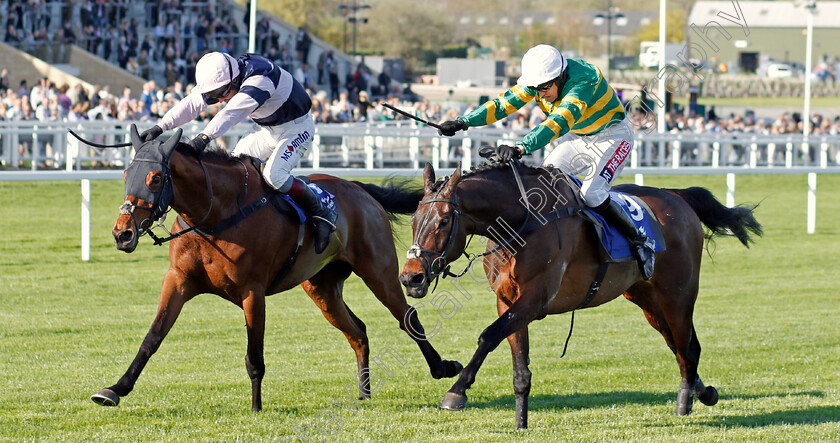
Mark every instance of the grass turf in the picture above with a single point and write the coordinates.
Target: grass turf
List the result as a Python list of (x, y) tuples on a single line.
[(766, 318)]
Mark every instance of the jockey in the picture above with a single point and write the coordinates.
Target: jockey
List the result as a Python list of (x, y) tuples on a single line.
[(585, 115), (253, 86)]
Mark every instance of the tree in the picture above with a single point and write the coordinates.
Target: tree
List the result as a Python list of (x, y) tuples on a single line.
[(674, 31), (397, 28)]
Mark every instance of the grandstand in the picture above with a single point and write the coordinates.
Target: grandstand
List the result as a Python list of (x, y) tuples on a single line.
[(101, 43)]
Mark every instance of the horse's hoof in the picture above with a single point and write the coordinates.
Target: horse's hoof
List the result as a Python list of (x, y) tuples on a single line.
[(106, 397), (709, 397), (453, 402)]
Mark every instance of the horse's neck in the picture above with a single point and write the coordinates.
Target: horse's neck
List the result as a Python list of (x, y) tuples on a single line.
[(195, 185), (497, 201)]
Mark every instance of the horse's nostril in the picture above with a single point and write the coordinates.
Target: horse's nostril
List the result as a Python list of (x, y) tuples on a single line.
[(417, 279), (124, 236)]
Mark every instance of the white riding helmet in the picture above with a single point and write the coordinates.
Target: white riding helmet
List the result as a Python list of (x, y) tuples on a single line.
[(541, 64), (215, 70)]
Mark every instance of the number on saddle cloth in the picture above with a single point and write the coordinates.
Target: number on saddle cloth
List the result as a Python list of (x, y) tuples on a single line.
[(327, 199), (617, 246)]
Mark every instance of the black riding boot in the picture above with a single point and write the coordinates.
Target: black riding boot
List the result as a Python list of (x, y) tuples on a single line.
[(322, 216), (642, 245)]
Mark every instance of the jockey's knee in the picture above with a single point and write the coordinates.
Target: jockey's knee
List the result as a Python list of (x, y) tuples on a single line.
[(279, 180), (595, 197)]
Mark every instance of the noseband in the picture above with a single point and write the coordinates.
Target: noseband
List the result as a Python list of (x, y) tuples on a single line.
[(438, 266)]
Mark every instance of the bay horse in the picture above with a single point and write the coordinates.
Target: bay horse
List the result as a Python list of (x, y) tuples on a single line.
[(548, 267), (258, 255)]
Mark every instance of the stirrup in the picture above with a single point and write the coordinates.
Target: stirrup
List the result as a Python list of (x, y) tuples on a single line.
[(325, 220), (642, 250)]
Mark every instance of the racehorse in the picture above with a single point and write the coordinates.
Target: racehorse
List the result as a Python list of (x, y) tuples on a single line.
[(229, 240), (546, 262)]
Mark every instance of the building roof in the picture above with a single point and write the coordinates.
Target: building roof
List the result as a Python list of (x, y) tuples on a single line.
[(766, 14)]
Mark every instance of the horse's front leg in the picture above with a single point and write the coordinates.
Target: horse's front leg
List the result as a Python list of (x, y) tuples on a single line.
[(521, 374), (526, 309), (254, 306), (174, 293)]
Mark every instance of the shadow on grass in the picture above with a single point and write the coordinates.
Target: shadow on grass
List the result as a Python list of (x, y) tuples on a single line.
[(808, 416), (604, 399)]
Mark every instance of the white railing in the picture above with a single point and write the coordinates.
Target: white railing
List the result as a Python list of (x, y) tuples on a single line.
[(401, 148), (47, 145)]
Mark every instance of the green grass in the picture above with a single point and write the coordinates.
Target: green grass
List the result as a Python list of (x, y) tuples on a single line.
[(766, 317)]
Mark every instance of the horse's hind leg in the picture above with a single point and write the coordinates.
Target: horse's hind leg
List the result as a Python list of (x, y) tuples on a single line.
[(667, 318), (325, 289), (380, 276), (174, 293)]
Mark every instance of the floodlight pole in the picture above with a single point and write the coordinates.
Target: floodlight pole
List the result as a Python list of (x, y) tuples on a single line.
[(809, 40), (252, 28)]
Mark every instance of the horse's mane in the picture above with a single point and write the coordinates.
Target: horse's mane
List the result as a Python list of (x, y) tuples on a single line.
[(486, 168), (213, 153)]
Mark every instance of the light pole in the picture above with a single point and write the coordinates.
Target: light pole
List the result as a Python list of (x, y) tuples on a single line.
[(620, 20), (810, 7), (352, 11)]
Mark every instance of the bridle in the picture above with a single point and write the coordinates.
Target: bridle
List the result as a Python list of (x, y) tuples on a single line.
[(161, 202), (438, 266)]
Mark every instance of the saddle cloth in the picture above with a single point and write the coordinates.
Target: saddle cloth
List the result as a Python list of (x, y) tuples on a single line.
[(326, 198), (616, 246)]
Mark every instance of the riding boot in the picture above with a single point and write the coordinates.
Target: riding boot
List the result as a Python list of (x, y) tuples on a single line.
[(322, 216), (642, 246)]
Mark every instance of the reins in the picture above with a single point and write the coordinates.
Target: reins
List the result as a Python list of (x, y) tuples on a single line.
[(159, 241)]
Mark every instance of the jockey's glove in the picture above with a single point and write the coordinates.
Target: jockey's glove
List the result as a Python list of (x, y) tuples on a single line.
[(504, 153), (151, 133), (200, 142), (449, 128)]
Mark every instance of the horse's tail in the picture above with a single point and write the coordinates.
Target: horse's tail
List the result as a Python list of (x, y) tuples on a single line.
[(738, 221), (395, 196)]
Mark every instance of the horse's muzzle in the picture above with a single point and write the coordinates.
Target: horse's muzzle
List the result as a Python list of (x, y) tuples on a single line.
[(126, 239), (416, 284)]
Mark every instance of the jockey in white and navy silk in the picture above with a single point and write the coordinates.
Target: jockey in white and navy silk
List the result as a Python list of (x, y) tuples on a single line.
[(253, 86)]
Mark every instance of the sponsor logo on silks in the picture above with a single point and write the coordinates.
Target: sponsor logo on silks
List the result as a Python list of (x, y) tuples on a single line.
[(296, 143), (616, 160)]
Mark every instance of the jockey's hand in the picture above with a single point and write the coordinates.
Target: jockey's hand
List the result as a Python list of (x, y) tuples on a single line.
[(504, 153), (449, 128), (151, 133), (200, 142)]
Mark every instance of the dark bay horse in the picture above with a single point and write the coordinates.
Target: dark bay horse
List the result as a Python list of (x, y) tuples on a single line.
[(547, 267), (242, 262)]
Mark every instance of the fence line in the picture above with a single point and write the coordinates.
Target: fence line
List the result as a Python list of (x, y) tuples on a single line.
[(639, 173), (36, 145)]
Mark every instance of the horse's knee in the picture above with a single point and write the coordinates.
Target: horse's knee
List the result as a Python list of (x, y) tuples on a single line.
[(522, 382), (256, 369)]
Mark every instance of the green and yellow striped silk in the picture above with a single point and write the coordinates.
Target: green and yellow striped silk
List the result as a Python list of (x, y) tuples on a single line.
[(586, 105)]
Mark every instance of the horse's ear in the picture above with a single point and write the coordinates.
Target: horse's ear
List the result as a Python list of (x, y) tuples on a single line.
[(429, 175), (456, 176), (135, 137), (171, 143)]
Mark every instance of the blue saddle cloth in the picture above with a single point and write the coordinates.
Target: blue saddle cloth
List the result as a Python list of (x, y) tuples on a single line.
[(615, 244), (327, 200)]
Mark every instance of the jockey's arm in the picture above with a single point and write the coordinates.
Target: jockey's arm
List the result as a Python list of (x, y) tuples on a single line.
[(183, 112), (560, 119), (236, 110), (500, 107)]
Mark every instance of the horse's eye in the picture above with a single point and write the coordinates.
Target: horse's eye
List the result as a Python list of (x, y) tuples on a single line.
[(444, 221), (156, 180)]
